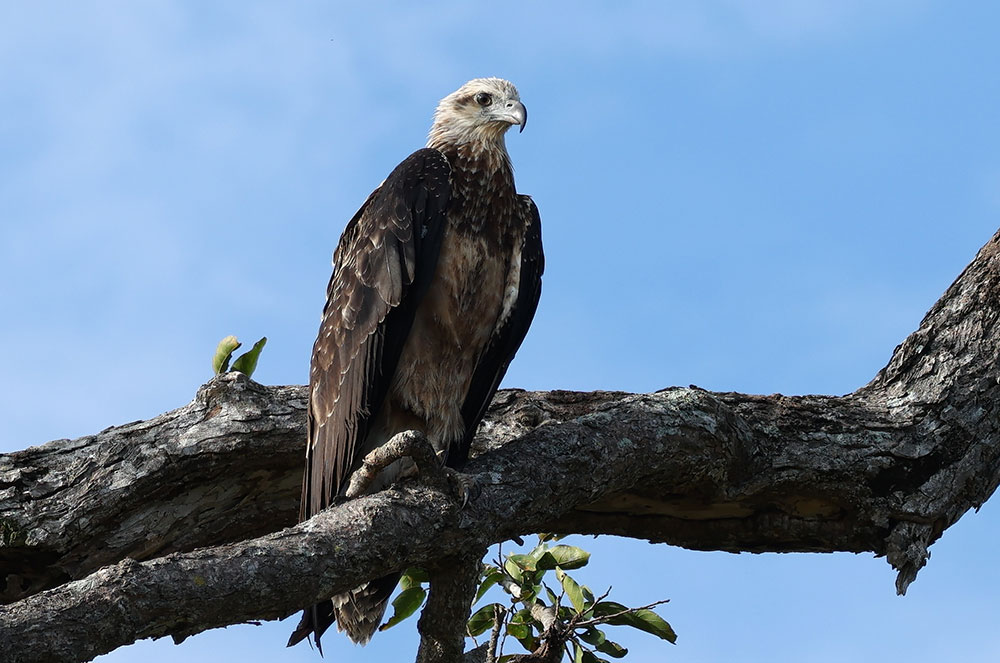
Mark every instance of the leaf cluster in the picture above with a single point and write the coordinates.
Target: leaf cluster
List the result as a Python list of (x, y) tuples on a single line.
[(568, 616), (246, 363)]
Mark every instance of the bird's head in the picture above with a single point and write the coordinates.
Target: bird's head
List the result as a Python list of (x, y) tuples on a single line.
[(480, 111)]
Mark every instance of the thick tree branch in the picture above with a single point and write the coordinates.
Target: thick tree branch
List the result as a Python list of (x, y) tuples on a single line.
[(226, 467), (442, 622), (886, 469)]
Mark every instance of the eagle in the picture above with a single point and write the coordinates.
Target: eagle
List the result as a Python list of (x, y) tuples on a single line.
[(435, 282)]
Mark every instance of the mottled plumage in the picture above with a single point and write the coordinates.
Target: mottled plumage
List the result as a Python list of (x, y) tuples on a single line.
[(435, 282)]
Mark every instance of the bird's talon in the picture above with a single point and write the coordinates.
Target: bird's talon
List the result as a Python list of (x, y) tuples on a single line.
[(467, 487)]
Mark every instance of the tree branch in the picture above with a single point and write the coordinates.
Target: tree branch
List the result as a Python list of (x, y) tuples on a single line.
[(226, 467), (886, 469), (442, 624)]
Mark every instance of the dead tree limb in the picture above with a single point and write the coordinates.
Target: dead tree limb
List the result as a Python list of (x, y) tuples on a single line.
[(885, 469)]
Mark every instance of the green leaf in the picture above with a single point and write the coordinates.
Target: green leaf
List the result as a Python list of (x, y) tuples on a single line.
[(612, 649), (412, 577), (590, 657), (538, 550), (524, 562), (578, 654), (519, 631), (565, 557), (546, 561), (644, 620), (513, 570), (529, 643), (521, 627), (246, 363), (483, 619), (605, 608), (405, 605), (492, 577), (223, 351), (572, 590), (592, 636), (522, 616), (650, 622)]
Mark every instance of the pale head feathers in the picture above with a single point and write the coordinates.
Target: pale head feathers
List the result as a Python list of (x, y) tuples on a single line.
[(480, 111)]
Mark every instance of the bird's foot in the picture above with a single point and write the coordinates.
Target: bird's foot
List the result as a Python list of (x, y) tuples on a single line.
[(466, 485), (410, 443), (430, 466)]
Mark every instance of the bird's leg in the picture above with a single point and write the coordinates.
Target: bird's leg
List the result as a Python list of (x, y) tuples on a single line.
[(430, 466), (410, 443)]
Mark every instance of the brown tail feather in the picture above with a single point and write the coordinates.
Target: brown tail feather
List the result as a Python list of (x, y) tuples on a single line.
[(357, 612), (315, 619)]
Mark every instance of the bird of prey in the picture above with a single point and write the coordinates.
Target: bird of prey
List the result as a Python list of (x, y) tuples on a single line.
[(435, 282)]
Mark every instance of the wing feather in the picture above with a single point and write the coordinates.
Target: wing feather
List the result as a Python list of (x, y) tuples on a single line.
[(509, 332), (381, 269)]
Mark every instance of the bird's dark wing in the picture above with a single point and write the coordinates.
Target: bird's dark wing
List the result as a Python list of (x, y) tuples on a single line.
[(381, 269), (508, 334)]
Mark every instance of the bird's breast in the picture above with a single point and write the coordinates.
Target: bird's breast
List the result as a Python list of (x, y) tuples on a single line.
[(451, 328)]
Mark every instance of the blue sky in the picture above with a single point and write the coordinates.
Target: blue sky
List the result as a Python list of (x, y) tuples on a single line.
[(760, 196)]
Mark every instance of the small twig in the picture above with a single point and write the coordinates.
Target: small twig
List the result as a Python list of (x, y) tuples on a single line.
[(491, 649), (503, 637), (410, 443), (573, 623), (601, 597), (559, 596)]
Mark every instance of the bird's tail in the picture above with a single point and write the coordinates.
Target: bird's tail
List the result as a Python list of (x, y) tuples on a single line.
[(357, 612), (315, 619)]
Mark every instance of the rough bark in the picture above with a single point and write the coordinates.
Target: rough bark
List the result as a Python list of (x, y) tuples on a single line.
[(442, 623), (885, 469), (226, 467)]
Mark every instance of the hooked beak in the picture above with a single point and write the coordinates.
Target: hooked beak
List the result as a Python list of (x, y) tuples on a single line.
[(514, 112)]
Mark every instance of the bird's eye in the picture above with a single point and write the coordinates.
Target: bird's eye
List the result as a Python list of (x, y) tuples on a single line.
[(484, 99)]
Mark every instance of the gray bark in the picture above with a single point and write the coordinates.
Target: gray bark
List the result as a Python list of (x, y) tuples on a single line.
[(442, 624), (885, 469)]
